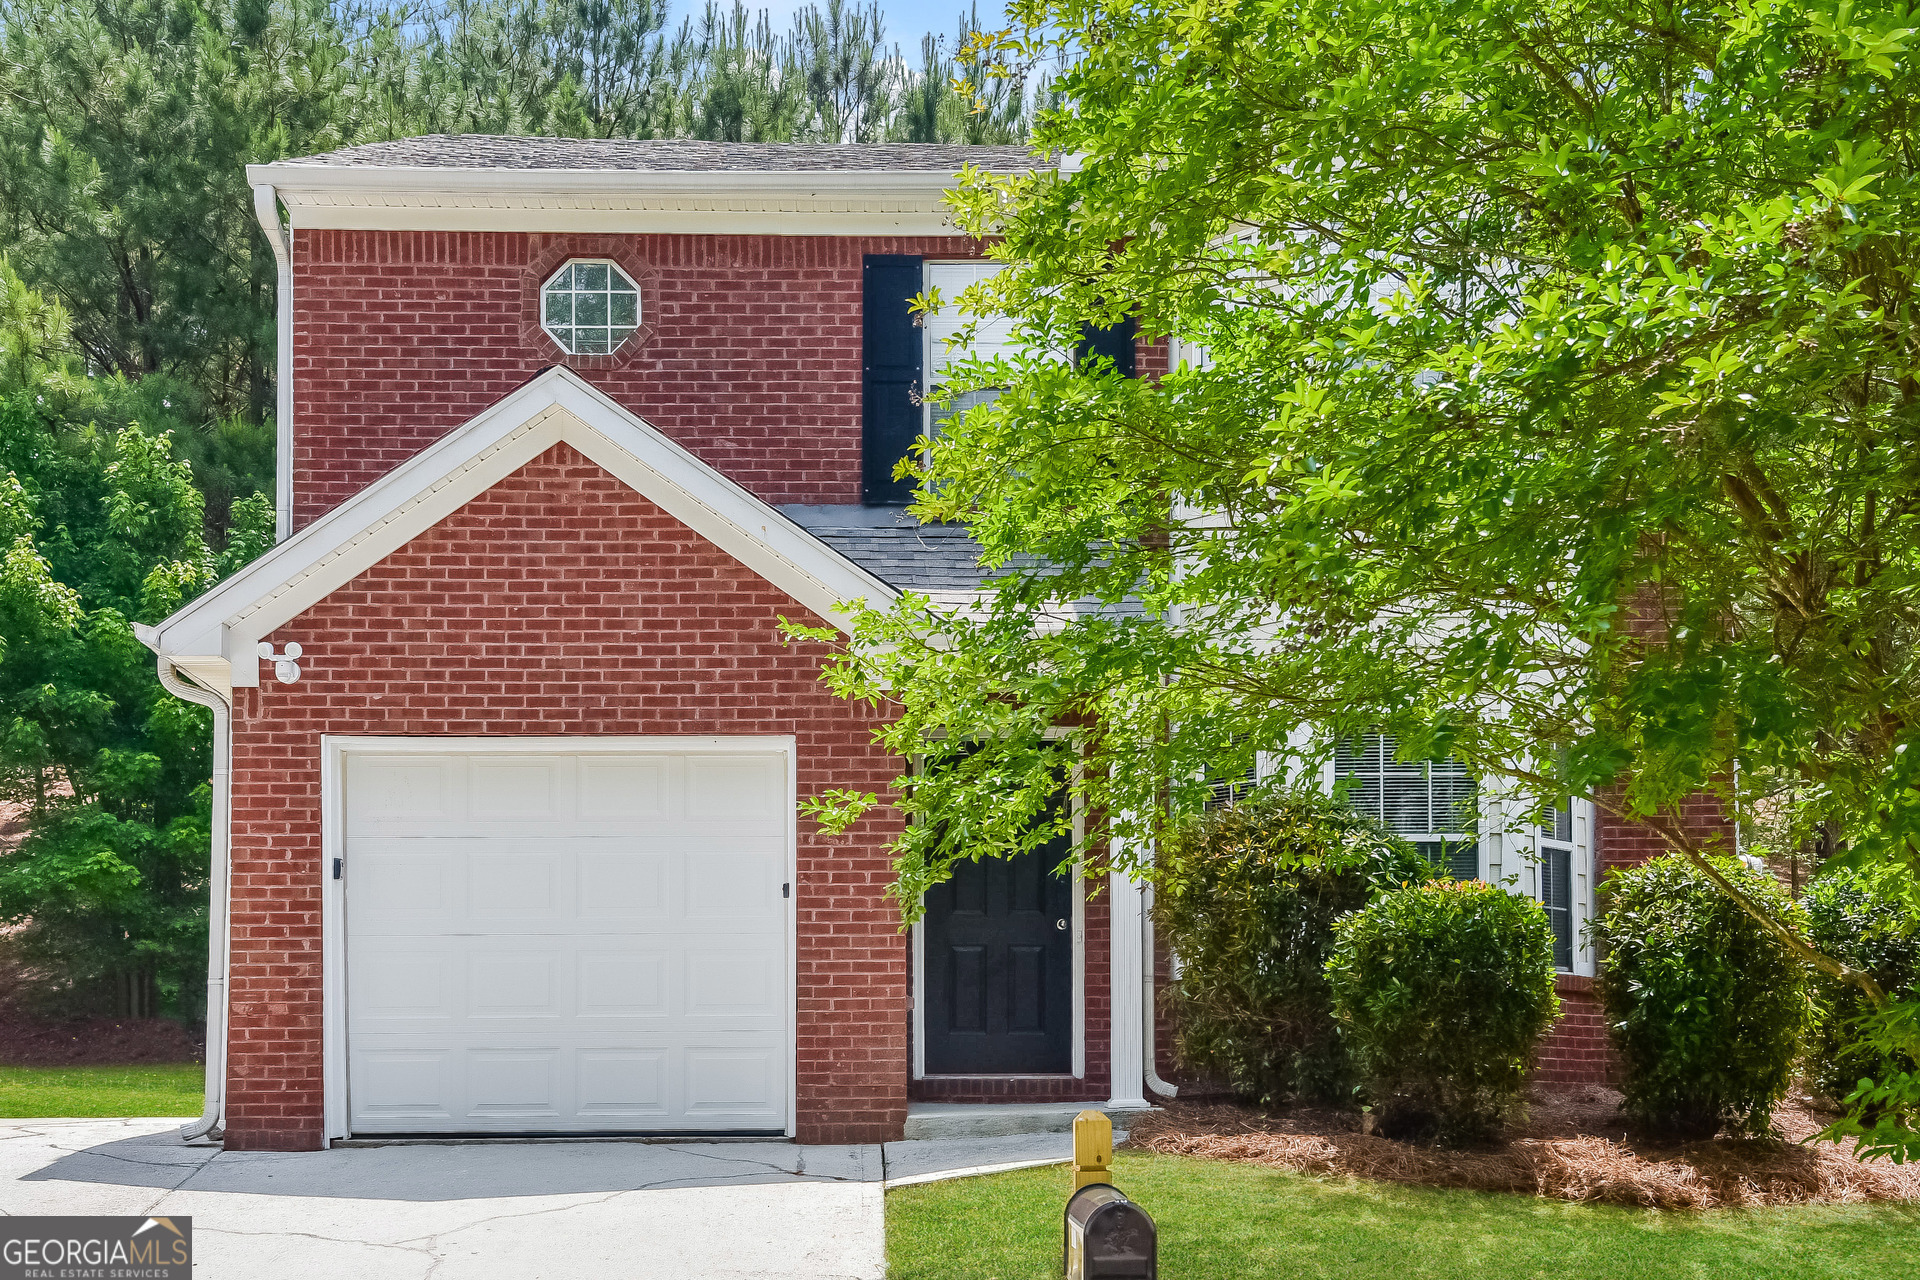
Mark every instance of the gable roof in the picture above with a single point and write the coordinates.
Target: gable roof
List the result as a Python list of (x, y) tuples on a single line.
[(215, 637), (670, 155), (625, 186)]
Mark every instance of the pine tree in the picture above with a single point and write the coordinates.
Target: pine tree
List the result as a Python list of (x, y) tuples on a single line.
[(746, 89), (852, 81)]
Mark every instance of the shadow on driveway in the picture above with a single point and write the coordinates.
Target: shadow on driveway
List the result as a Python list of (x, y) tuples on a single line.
[(456, 1172)]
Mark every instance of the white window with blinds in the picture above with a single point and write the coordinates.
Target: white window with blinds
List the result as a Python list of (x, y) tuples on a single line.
[(991, 336), (1562, 879), (1432, 804), (1483, 829)]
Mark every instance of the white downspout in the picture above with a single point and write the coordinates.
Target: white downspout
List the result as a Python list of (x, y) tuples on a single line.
[(1124, 972), (219, 899), (1125, 899), (1149, 1009), (266, 207)]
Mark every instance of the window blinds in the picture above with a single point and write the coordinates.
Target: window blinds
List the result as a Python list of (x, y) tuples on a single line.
[(1433, 803)]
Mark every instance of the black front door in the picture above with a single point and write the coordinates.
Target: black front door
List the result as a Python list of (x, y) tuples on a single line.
[(999, 956)]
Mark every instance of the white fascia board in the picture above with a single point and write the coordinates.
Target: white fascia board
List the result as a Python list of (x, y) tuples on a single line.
[(625, 222), (557, 407), (612, 201)]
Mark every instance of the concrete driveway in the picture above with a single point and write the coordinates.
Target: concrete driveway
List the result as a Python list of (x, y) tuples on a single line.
[(725, 1210), (487, 1211)]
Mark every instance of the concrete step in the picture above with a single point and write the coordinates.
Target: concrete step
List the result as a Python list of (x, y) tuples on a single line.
[(927, 1121)]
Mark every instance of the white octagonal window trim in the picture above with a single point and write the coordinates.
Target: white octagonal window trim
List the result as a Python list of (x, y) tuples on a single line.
[(589, 306)]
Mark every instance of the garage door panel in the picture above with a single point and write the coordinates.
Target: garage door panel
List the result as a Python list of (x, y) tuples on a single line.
[(408, 1085), (516, 983), (518, 789), (615, 1084), (623, 883), (522, 885), (405, 984), (739, 1084), (623, 984), (583, 941), (408, 890), (742, 887), (735, 788), (398, 789), (522, 1084), (623, 789), (728, 984)]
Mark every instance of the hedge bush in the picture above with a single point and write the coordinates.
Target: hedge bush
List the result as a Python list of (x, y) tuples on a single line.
[(1444, 991), (1874, 927), (1245, 899), (1705, 1008)]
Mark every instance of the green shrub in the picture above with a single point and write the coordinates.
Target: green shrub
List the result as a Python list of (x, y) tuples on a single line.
[(1444, 991), (1245, 899), (1706, 1009), (1875, 927)]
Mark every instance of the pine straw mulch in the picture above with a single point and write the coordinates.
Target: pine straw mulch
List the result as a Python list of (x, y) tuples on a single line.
[(1574, 1146)]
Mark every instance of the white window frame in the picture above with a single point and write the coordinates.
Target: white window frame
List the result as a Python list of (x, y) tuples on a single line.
[(1510, 851), (991, 334), (614, 270)]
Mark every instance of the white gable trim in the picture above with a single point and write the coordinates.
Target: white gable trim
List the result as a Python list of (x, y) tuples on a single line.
[(224, 626)]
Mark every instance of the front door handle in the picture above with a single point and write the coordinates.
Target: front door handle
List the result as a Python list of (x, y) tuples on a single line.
[(1060, 924)]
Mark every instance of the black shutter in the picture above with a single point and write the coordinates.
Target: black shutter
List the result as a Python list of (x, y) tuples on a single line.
[(890, 420), (1115, 342)]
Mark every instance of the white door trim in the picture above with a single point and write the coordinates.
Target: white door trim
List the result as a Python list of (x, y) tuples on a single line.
[(334, 749)]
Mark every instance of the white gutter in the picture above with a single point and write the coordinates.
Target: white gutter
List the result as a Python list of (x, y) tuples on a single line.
[(219, 899), (1149, 1008), (266, 207)]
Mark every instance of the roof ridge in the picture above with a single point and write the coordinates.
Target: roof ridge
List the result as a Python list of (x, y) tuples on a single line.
[(515, 151)]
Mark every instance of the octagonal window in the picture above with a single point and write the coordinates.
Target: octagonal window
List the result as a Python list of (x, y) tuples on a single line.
[(589, 307)]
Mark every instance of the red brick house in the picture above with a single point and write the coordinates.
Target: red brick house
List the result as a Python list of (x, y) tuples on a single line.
[(508, 737), (567, 428)]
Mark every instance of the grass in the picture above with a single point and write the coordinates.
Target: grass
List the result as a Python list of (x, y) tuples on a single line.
[(149, 1089), (1219, 1221)]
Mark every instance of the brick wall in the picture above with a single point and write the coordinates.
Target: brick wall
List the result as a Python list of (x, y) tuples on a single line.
[(560, 602), (1623, 843), (1576, 1049), (748, 354)]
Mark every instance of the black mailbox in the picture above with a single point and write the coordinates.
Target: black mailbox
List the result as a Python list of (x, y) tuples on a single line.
[(1109, 1235)]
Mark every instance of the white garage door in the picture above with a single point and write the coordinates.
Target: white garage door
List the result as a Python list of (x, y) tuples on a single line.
[(567, 942)]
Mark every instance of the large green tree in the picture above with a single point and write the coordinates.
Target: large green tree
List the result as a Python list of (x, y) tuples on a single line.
[(125, 131), (1557, 411), (99, 527)]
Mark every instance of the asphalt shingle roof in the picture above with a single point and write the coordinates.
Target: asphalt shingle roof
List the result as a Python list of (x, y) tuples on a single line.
[(663, 155), (940, 561), (927, 558)]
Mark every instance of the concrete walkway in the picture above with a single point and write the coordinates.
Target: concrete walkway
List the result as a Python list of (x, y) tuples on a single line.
[(704, 1211)]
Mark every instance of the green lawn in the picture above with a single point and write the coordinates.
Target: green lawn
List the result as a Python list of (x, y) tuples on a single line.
[(1223, 1221), (163, 1089)]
